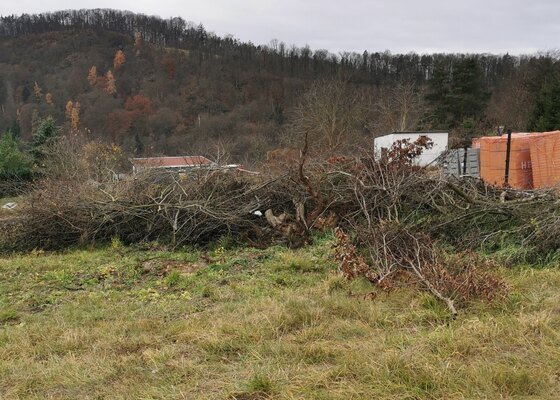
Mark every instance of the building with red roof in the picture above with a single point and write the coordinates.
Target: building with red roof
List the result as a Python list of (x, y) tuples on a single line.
[(179, 164)]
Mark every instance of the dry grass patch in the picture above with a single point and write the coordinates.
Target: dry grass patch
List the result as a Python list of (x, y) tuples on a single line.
[(272, 324)]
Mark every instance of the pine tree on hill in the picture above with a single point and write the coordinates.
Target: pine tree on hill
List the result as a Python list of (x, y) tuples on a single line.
[(546, 112), (457, 94), (44, 138)]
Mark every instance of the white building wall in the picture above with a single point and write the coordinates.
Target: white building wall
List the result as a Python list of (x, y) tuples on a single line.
[(428, 156)]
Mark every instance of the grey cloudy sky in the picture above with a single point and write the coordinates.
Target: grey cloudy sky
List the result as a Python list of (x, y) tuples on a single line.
[(498, 26)]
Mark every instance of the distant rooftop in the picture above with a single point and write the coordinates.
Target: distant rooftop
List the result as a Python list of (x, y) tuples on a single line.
[(171, 162), (417, 132)]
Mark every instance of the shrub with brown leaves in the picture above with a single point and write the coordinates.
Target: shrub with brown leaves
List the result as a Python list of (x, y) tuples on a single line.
[(396, 255)]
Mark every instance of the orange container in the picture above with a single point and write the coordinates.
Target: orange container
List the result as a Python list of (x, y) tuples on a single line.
[(493, 150), (545, 159)]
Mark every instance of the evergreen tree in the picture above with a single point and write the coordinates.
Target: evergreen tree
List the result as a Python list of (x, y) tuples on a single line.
[(15, 129), (437, 97), (546, 111), (14, 164), (44, 138), (457, 93), (139, 146)]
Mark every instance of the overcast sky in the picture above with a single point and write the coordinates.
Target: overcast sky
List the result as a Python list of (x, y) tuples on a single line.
[(497, 26)]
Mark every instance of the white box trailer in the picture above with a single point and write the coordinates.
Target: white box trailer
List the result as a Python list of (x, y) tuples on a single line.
[(427, 157)]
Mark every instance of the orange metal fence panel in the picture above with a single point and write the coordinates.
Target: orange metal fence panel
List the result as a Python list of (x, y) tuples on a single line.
[(545, 159), (493, 152)]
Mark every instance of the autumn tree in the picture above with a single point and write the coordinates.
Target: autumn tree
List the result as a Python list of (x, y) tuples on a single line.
[(75, 117), (137, 43), (69, 107), (49, 99), (92, 76), (110, 83), (135, 115), (168, 64), (38, 91), (119, 60), (139, 105), (118, 124)]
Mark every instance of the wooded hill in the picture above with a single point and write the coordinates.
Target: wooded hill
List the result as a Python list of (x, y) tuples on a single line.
[(167, 86)]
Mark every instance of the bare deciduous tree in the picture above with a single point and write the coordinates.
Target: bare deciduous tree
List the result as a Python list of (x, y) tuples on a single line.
[(399, 107), (331, 113)]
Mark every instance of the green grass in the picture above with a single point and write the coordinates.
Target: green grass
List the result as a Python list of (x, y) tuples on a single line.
[(133, 323)]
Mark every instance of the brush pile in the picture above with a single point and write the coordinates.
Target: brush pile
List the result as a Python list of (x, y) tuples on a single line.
[(392, 219)]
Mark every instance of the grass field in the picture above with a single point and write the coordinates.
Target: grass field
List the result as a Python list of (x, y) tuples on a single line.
[(144, 323)]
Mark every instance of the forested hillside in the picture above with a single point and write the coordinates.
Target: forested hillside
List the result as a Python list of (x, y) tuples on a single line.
[(159, 86)]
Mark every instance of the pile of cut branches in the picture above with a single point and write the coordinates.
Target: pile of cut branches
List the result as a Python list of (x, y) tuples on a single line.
[(165, 207), (398, 215)]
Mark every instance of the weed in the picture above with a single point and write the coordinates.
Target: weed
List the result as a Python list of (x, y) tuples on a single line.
[(8, 315), (116, 243), (209, 292), (335, 283), (258, 386), (173, 279), (296, 263)]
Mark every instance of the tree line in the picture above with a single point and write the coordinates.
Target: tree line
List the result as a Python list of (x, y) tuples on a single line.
[(277, 57)]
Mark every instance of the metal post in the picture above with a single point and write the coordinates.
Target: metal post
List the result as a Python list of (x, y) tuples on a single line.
[(508, 151), (465, 149)]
